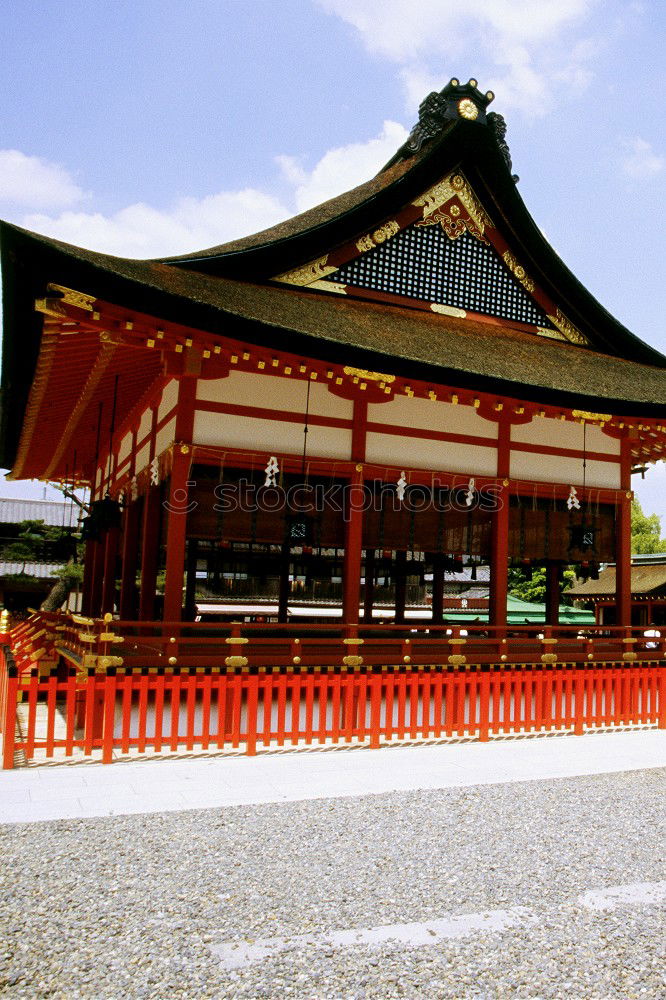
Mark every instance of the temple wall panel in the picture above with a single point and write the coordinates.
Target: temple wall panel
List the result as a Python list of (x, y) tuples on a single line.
[(405, 411), (532, 467), (144, 425), (270, 436), (165, 436), (274, 392), (423, 453), (142, 458), (169, 399), (124, 448), (565, 434)]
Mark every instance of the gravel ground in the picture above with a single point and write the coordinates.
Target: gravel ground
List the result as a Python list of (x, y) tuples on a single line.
[(131, 906)]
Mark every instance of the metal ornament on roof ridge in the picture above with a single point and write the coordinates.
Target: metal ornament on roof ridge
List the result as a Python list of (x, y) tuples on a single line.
[(454, 101)]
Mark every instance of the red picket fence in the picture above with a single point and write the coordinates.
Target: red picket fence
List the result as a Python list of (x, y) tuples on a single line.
[(112, 714)]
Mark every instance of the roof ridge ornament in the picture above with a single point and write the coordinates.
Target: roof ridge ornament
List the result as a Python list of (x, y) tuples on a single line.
[(453, 101), (456, 100)]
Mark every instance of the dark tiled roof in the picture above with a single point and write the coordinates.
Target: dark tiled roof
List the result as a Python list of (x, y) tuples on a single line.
[(389, 338)]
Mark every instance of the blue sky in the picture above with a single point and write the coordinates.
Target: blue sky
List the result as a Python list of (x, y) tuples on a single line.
[(153, 127)]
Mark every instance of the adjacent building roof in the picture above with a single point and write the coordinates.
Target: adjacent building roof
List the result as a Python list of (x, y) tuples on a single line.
[(56, 513), (645, 579), (38, 570)]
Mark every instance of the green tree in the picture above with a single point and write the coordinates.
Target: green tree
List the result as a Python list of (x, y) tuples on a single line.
[(534, 590), (645, 531)]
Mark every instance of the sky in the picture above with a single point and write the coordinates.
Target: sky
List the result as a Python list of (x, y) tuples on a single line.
[(155, 127)]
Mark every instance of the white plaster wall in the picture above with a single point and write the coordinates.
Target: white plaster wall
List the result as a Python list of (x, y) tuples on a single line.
[(145, 424), (564, 434), (558, 469), (274, 392), (230, 431), (420, 453), (169, 398), (405, 411), (142, 458), (125, 448), (165, 437)]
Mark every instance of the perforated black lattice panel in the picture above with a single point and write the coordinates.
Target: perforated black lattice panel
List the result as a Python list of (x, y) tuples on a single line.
[(421, 262)]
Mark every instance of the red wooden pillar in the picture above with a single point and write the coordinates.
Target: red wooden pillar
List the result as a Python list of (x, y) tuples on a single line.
[(97, 574), (499, 541), (351, 579), (552, 593), (88, 568), (437, 588), (369, 593), (499, 561), (400, 585), (623, 562), (176, 535), (110, 565), (150, 546), (623, 543), (283, 594), (130, 558)]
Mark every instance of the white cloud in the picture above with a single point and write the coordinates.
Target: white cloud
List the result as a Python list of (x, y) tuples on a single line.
[(511, 44), (641, 160), (141, 230), (343, 168), (29, 181)]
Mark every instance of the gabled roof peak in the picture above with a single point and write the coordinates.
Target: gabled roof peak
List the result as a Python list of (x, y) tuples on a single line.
[(454, 101)]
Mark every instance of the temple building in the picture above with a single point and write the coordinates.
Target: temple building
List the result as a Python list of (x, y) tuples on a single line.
[(314, 456), (402, 382)]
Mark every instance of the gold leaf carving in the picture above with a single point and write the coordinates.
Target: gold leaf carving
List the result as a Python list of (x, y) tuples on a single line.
[(365, 243), (545, 331), (518, 270), (566, 327), (329, 286), (308, 273), (386, 231), (602, 418), (448, 310), (370, 376), (73, 298), (436, 208)]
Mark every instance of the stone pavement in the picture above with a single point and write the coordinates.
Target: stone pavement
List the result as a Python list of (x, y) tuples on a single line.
[(90, 790)]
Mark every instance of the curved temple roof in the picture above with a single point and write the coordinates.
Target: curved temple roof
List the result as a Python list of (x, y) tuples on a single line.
[(267, 288)]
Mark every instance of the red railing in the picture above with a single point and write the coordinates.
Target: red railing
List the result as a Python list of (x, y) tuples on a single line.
[(121, 688)]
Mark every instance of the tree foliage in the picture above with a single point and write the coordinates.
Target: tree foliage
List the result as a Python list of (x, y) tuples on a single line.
[(534, 589), (645, 531)]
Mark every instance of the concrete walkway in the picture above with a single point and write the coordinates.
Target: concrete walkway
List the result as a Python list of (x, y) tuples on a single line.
[(48, 793)]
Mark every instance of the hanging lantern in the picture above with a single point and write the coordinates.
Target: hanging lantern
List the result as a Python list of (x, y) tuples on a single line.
[(272, 470)]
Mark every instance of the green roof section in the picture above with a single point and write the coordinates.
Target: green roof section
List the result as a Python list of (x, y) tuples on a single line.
[(525, 613)]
